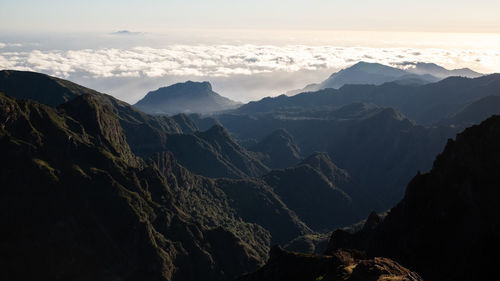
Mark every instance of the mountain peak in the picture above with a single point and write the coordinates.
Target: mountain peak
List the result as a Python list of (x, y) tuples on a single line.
[(187, 97), (322, 162), (218, 130), (363, 73), (204, 86), (40, 87), (316, 158), (373, 67), (280, 148), (433, 69), (188, 88)]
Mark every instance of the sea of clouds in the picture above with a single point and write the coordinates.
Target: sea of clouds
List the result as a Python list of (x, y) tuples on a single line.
[(145, 68)]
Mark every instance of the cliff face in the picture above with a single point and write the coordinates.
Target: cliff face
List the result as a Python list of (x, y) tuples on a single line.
[(446, 227)]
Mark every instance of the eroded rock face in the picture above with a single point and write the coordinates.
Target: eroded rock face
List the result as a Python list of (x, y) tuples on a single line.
[(340, 265)]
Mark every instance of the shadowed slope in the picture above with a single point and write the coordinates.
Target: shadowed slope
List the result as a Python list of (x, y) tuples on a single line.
[(446, 227)]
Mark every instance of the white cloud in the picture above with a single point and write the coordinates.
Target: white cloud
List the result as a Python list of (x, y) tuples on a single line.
[(227, 60), (241, 72)]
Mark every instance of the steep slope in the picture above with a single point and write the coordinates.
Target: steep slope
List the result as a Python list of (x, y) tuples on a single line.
[(145, 134), (311, 194), (45, 89), (475, 112), (77, 204), (278, 150), (446, 227), (322, 162), (188, 97), (203, 122), (214, 153)]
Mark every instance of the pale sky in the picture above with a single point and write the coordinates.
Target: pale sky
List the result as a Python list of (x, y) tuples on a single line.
[(158, 15)]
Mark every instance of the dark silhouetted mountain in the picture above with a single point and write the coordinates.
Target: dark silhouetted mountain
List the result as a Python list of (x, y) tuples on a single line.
[(342, 265), (188, 97), (144, 133), (257, 202), (39, 87), (78, 204), (475, 112), (311, 194), (278, 150), (366, 73), (426, 104), (422, 68), (317, 243), (126, 33), (363, 73), (321, 161), (446, 227)]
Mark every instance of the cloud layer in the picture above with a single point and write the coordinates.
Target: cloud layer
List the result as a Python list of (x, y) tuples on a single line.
[(241, 72), (227, 60)]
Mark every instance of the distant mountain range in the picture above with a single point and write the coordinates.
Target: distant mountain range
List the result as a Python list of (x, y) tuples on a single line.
[(188, 97), (426, 104), (376, 74)]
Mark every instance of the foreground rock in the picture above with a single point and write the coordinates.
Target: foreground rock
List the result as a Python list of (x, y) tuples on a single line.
[(340, 265)]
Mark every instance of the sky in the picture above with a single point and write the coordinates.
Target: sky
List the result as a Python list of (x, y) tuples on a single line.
[(158, 15), (246, 49)]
